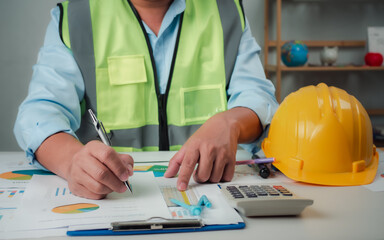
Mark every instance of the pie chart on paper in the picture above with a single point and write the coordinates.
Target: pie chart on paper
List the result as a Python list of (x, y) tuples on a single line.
[(76, 208)]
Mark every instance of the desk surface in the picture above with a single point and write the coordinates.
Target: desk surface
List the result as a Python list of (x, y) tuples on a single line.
[(337, 213)]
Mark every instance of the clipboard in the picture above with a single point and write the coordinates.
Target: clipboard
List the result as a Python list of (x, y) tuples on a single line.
[(155, 227)]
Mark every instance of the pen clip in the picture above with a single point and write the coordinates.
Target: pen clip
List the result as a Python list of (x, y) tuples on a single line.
[(95, 121), (100, 128)]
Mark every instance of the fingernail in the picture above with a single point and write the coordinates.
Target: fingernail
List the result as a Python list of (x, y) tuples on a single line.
[(123, 189), (182, 186), (130, 170), (124, 176)]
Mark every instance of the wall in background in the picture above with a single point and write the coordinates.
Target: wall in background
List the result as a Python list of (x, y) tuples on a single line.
[(23, 24), (22, 28)]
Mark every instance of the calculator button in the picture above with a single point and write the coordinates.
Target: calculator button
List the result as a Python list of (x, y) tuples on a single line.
[(258, 190), (238, 195), (233, 189), (287, 194), (262, 194), (252, 195), (283, 190), (248, 192), (235, 192), (273, 194)]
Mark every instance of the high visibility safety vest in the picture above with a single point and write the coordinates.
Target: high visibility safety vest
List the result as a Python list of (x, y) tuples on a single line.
[(113, 52)]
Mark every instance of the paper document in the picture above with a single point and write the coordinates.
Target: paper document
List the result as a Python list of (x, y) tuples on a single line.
[(376, 39), (219, 213), (16, 172), (378, 183), (48, 203)]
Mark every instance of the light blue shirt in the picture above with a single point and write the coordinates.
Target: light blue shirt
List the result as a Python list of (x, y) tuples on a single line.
[(57, 87)]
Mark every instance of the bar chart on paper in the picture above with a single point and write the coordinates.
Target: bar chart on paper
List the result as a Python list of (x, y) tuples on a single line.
[(61, 191), (10, 198), (7, 194), (188, 196)]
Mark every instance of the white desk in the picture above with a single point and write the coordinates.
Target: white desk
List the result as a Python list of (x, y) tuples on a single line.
[(337, 213)]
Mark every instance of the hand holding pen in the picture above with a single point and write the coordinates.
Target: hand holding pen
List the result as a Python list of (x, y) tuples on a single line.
[(104, 137)]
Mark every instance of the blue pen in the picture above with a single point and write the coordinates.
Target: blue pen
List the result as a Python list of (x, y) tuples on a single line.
[(193, 209)]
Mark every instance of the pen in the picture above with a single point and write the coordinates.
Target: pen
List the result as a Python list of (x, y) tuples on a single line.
[(256, 161), (104, 137), (263, 170)]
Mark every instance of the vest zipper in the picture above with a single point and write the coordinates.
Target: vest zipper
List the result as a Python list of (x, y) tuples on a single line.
[(163, 122), (161, 98)]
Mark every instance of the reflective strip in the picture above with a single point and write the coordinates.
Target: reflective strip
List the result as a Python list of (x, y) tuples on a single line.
[(232, 32), (147, 136), (81, 38), (80, 33), (86, 132), (178, 135)]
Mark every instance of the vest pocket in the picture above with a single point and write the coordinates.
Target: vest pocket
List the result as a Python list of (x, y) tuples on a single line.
[(126, 70), (121, 92), (200, 103)]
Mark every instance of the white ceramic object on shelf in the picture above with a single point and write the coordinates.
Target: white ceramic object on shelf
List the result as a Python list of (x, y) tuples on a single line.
[(328, 56)]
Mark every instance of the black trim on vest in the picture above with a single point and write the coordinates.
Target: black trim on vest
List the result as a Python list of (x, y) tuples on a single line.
[(61, 21), (242, 9), (161, 98)]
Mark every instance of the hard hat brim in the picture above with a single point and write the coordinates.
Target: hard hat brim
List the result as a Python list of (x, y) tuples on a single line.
[(332, 179)]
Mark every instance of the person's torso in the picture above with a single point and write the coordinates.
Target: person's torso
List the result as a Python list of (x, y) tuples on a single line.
[(122, 85)]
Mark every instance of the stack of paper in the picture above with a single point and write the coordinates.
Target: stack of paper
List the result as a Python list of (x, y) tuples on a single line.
[(48, 204), (48, 208), (15, 174)]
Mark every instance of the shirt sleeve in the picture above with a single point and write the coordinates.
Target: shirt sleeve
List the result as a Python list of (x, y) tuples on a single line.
[(249, 86), (55, 91)]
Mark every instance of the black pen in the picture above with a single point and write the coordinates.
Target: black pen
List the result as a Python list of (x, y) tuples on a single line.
[(104, 137)]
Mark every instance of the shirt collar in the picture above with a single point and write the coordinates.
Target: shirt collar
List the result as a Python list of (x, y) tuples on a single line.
[(174, 10)]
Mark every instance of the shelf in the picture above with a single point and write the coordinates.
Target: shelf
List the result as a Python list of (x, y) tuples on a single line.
[(375, 112), (277, 68), (332, 43), (273, 68)]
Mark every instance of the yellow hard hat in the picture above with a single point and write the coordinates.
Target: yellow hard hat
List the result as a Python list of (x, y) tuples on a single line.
[(322, 135)]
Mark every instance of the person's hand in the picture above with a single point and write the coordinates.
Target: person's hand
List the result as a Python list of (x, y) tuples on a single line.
[(97, 170), (213, 147)]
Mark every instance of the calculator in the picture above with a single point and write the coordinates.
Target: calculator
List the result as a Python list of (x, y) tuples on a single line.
[(264, 200)]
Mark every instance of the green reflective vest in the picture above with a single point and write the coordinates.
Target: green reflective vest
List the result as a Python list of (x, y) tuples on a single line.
[(112, 49)]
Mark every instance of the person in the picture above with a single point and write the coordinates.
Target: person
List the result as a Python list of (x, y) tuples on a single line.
[(161, 75)]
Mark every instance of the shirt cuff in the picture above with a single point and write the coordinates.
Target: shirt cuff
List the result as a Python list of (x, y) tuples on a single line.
[(40, 133), (265, 112)]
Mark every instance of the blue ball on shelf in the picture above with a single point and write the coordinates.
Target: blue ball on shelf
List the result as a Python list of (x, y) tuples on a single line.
[(294, 53)]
